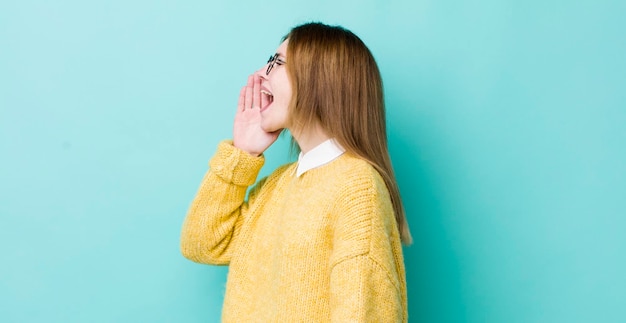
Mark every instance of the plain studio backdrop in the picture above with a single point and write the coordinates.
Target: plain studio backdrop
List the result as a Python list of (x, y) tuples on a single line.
[(507, 129)]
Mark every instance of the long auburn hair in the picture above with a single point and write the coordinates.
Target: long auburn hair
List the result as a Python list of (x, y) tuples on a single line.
[(336, 84)]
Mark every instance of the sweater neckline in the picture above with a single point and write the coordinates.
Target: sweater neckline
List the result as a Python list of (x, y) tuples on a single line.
[(322, 154)]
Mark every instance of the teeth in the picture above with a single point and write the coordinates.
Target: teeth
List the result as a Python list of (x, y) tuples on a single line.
[(266, 93)]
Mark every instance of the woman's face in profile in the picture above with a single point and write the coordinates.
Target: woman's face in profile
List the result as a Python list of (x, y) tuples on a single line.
[(275, 92)]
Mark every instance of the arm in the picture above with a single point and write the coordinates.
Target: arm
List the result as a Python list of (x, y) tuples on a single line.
[(218, 210), (367, 278), (363, 291)]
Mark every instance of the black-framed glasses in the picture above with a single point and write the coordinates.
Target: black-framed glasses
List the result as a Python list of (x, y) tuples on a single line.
[(273, 60)]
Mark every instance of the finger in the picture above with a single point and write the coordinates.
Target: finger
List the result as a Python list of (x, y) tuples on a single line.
[(248, 98), (256, 92), (242, 94)]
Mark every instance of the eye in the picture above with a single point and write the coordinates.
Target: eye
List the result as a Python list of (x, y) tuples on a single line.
[(280, 62)]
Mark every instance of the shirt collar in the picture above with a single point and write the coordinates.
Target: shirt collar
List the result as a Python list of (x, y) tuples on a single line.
[(322, 154)]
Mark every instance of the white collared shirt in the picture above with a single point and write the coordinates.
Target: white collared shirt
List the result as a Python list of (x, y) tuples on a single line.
[(322, 154)]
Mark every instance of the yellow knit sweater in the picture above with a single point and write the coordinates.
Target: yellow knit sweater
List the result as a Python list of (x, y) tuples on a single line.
[(322, 247)]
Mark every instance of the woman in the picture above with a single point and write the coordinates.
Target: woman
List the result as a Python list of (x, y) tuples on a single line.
[(318, 240)]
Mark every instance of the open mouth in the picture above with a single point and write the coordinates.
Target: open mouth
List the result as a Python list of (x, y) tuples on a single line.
[(266, 99)]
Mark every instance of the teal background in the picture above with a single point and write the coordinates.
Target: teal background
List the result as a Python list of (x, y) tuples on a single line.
[(506, 124)]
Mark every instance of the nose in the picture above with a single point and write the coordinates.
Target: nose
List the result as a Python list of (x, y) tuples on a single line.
[(261, 72)]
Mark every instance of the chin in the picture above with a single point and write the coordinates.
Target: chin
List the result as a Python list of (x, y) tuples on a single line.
[(268, 128), (269, 124)]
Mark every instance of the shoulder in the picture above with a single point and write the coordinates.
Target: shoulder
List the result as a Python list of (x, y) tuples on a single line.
[(349, 169), (349, 183), (364, 212), (360, 180), (353, 165)]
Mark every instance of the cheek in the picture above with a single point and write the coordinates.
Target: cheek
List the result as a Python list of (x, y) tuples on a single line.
[(281, 98), (286, 96), (284, 87)]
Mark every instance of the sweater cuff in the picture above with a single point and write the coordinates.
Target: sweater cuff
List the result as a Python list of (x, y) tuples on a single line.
[(234, 165)]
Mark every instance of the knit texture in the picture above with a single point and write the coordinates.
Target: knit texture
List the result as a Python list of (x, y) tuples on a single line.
[(322, 247)]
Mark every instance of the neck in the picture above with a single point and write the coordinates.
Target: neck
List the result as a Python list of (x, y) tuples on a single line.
[(310, 138)]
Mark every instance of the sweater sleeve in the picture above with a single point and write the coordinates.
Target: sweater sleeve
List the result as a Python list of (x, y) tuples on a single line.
[(363, 291), (367, 277), (218, 209)]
